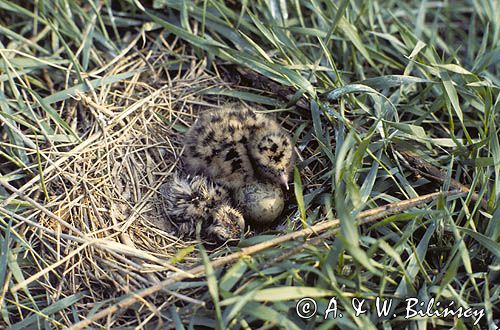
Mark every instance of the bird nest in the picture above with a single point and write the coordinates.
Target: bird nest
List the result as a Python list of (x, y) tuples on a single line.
[(103, 228)]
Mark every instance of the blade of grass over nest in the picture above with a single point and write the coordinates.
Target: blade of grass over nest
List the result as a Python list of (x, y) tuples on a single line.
[(350, 32), (349, 233), (297, 186), (259, 50), (247, 96), (34, 277), (413, 265), (265, 313), (26, 63), (485, 241), (5, 246), (463, 252), (233, 275), (367, 186), (351, 88), (45, 314), (392, 81), (181, 254), (265, 33), (72, 57), (18, 275), (452, 96), (203, 43), (15, 8), (340, 12), (176, 318), (243, 300), (316, 120), (54, 115), (40, 173), (290, 293), (348, 228), (16, 136), (212, 287), (451, 271), (84, 87), (495, 152), (88, 38), (22, 40)]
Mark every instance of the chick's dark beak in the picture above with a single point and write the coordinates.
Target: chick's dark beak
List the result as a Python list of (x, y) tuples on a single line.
[(283, 180)]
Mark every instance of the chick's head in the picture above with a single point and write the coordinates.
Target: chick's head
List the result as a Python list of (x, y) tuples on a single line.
[(228, 224), (273, 157)]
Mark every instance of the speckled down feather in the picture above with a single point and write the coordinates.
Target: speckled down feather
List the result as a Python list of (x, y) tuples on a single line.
[(190, 200), (236, 145)]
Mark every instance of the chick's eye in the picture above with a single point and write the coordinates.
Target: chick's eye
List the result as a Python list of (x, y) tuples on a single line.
[(233, 218)]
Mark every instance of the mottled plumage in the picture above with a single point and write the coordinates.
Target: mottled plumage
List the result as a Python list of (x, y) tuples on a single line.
[(236, 145), (195, 199), (228, 224)]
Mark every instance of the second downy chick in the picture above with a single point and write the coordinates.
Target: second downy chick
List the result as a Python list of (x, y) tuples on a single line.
[(190, 200), (235, 146)]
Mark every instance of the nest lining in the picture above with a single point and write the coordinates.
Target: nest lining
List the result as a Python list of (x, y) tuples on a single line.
[(108, 190)]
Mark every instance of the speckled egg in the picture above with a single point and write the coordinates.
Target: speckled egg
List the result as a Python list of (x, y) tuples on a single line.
[(261, 202)]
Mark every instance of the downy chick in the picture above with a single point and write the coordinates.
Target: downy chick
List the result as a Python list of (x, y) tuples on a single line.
[(235, 146), (191, 200)]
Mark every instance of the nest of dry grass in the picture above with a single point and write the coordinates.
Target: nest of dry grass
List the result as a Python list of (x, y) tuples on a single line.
[(105, 192)]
